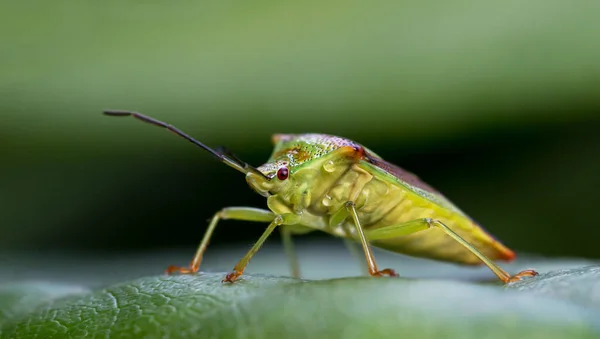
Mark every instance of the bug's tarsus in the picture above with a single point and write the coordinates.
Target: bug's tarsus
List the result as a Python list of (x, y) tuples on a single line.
[(221, 153)]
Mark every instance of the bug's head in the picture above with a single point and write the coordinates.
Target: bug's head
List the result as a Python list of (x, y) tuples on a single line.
[(277, 171), (289, 166)]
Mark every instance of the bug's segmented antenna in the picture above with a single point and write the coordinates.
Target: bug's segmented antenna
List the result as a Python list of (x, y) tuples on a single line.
[(220, 153), (226, 152)]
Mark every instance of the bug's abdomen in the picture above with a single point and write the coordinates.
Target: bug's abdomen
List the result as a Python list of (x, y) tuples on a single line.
[(382, 204)]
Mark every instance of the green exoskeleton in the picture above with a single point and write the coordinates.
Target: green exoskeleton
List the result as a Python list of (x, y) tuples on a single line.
[(335, 185)]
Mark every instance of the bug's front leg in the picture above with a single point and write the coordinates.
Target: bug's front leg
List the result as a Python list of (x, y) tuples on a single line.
[(371, 264), (235, 213), (238, 270)]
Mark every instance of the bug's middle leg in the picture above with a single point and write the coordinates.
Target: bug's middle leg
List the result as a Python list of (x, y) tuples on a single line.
[(288, 246), (371, 264), (235, 213)]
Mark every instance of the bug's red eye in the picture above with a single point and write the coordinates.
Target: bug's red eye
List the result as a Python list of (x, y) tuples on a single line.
[(282, 173)]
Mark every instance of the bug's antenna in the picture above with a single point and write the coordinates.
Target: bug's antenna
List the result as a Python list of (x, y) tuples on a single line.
[(225, 151), (220, 153)]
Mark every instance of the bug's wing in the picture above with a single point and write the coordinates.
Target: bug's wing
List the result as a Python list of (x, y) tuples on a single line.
[(400, 173), (435, 245), (410, 181)]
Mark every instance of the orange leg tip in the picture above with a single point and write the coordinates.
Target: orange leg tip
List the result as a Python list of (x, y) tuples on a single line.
[(178, 269), (388, 272), (172, 269), (522, 274), (231, 277)]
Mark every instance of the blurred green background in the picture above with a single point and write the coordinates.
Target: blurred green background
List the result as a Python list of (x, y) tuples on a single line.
[(495, 104)]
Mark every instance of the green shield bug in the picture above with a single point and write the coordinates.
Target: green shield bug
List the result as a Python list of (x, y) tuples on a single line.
[(335, 185)]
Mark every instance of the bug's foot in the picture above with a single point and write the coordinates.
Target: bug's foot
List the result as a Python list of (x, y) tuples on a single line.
[(388, 272), (231, 277), (520, 275), (181, 270)]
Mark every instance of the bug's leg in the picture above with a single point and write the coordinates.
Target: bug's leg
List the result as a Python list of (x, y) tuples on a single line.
[(239, 268), (236, 213), (354, 249), (371, 264), (290, 252), (414, 226)]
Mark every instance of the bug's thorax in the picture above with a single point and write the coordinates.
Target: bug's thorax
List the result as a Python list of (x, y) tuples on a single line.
[(306, 191)]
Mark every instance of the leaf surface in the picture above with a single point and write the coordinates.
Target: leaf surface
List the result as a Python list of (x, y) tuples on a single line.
[(270, 307)]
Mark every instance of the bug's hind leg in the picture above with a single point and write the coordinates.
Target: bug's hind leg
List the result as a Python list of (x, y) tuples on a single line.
[(425, 223), (522, 274), (236, 213)]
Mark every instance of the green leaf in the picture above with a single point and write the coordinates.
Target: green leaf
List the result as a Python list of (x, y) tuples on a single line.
[(141, 305), (578, 285), (18, 299), (267, 307)]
